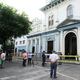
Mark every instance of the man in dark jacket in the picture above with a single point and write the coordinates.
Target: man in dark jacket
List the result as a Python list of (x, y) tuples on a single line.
[(43, 58)]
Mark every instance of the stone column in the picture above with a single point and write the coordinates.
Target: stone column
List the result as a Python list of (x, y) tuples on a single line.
[(35, 45), (61, 42), (31, 46), (40, 42), (78, 42)]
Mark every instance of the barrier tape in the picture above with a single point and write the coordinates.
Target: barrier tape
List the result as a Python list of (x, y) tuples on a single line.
[(68, 56), (75, 60), (68, 61)]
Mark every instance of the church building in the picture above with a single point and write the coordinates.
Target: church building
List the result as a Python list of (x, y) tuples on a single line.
[(61, 31)]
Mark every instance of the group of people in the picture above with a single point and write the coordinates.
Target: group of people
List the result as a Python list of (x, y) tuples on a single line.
[(53, 58), (2, 59), (27, 57)]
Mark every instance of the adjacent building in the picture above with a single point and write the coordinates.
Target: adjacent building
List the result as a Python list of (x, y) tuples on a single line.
[(21, 44)]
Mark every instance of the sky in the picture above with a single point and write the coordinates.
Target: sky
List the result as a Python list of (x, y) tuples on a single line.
[(30, 7)]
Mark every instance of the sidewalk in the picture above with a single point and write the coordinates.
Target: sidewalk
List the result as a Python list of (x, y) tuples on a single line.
[(15, 71)]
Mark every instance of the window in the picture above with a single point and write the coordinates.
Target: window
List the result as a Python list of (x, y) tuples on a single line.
[(33, 42), (50, 20), (16, 43), (70, 11), (37, 41), (23, 41), (20, 42), (29, 42)]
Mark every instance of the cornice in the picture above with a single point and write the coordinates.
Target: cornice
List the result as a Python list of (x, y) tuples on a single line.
[(51, 4)]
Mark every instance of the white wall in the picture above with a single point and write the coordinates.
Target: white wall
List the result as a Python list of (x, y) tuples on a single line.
[(76, 4), (60, 12), (36, 26)]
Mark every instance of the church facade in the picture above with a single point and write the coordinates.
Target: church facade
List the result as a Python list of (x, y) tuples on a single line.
[(62, 29)]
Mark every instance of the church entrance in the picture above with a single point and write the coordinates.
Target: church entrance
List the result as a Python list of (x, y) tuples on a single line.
[(49, 46), (33, 49), (70, 44)]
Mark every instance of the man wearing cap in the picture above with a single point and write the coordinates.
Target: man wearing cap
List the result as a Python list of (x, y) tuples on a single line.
[(53, 60)]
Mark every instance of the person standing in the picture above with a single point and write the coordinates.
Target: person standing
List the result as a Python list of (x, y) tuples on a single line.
[(33, 58), (43, 58), (2, 57), (25, 57), (53, 60), (29, 58)]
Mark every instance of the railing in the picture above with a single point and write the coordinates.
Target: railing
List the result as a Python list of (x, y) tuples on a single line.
[(63, 58)]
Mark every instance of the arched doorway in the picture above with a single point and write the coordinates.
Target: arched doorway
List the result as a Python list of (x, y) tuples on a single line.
[(70, 44)]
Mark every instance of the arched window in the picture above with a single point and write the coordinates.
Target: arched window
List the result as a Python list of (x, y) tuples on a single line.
[(49, 23), (50, 20), (70, 11)]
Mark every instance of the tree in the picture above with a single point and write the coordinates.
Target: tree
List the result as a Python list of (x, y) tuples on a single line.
[(12, 24)]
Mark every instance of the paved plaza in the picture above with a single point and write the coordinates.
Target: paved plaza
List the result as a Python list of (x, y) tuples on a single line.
[(15, 71)]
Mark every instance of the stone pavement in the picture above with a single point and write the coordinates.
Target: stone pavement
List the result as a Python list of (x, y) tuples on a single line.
[(15, 71)]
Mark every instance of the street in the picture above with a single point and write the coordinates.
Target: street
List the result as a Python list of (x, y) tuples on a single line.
[(15, 71)]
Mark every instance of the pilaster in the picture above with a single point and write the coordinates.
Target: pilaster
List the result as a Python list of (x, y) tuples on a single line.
[(61, 42), (78, 41)]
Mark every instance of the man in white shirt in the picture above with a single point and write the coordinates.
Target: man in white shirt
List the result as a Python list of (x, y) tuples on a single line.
[(29, 58), (53, 59)]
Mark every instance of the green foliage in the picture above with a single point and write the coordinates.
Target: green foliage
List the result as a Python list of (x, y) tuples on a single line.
[(12, 24)]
